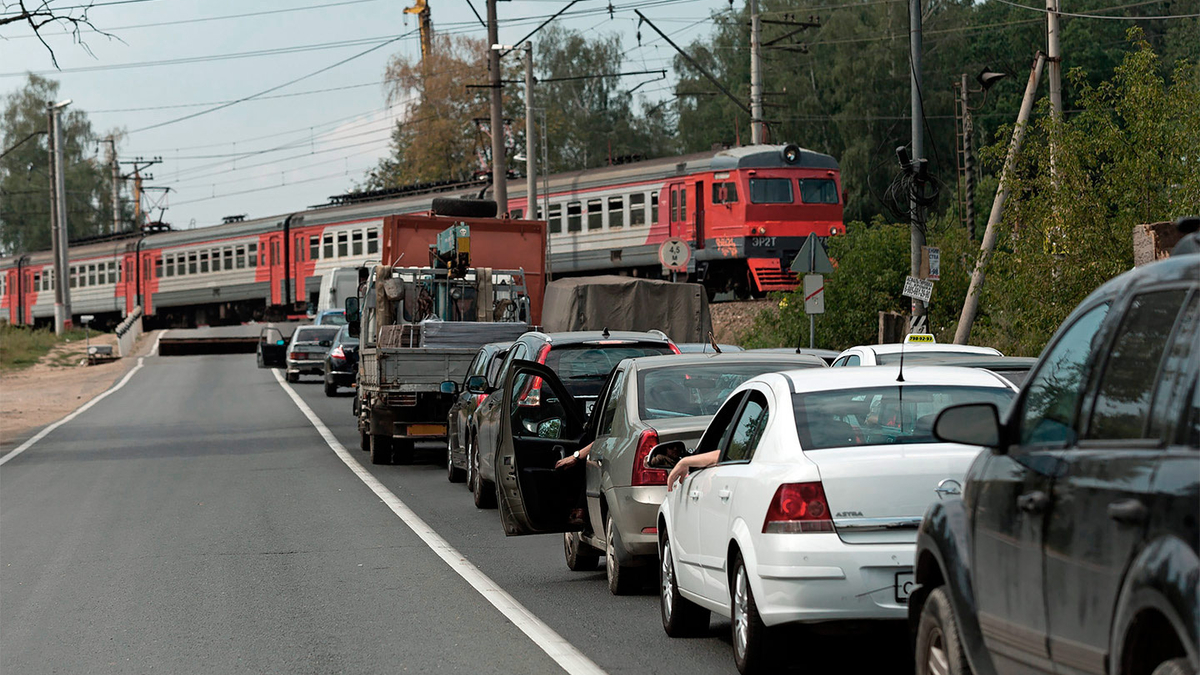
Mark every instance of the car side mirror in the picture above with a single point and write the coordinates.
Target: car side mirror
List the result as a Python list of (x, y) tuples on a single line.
[(477, 384), (551, 428), (969, 424), (449, 387), (666, 455)]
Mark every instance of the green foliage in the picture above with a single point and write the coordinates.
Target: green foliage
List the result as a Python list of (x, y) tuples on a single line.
[(24, 172), (21, 347)]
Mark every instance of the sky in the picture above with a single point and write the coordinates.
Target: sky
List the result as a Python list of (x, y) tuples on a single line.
[(301, 143)]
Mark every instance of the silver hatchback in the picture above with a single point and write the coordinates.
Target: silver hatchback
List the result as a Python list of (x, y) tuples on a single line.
[(306, 352)]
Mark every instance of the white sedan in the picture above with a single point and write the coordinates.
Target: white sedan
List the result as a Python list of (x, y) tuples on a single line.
[(810, 511), (914, 352)]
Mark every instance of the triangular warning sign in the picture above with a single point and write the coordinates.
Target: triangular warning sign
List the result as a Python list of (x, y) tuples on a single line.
[(812, 258)]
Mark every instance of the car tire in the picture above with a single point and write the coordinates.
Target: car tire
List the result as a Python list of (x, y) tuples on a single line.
[(463, 208), (293, 377), (381, 449), (680, 617), (330, 389), (453, 473), (580, 555), (751, 642), (471, 473), (484, 491), (1178, 666), (622, 579), (939, 648)]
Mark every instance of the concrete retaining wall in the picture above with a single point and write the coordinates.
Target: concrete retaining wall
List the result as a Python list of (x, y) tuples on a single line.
[(128, 332)]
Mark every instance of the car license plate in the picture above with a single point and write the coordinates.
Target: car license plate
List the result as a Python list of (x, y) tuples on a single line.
[(904, 586), (427, 430)]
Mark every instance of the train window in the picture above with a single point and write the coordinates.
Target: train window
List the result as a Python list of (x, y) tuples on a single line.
[(818, 191), (637, 209), (574, 216), (191, 262), (112, 270), (37, 281), (343, 244), (204, 262), (683, 212), (251, 255), (616, 212), (74, 277), (372, 241), (516, 214), (227, 254), (91, 275), (674, 205), (770, 191), (654, 206), (169, 261), (180, 264), (314, 247), (724, 193), (239, 257), (299, 249), (328, 246), (356, 239), (555, 218), (595, 214), (158, 270)]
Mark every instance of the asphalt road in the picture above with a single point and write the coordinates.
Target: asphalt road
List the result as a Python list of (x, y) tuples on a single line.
[(196, 521)]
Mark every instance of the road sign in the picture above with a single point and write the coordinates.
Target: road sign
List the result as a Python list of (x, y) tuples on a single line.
[(87, 318), (812, 258), (919, 289), (674, 254), (814, 294), (931, 263)]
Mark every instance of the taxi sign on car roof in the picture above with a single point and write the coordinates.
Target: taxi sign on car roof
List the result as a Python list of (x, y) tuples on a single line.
[(919, 337)]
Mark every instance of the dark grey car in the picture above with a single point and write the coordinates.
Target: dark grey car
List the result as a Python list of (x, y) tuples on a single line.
[(486, 365)]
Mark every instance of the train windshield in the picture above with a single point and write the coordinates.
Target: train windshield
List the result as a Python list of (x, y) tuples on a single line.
[(818, 191), (770, 191)]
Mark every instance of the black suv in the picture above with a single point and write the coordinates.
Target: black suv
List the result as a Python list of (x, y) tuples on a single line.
[(1073, 548)]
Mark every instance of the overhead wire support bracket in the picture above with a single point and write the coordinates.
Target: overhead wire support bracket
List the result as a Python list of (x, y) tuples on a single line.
[(695, 64), (540, 26)]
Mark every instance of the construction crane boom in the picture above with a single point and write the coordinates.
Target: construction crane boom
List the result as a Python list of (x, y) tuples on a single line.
[(421, 9)]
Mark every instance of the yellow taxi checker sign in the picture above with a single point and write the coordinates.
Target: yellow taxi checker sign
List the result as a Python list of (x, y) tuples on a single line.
[(920, 337)]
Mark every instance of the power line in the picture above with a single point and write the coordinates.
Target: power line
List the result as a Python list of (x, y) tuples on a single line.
[(262, 98), (88, 6), (1043, 10), (344, 172), (276, 87)]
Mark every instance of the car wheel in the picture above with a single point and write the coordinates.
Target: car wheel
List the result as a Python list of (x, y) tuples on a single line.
[(471, 473), (750, 640), (1174, 667), (939, 650), (293, 377), (622, 579), (381, 449), (580, 556), (330, 388), (453, 473), (680, 617), (484, 491)]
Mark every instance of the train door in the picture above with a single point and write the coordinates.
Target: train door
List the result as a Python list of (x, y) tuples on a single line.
[(698, 218), (680, 222)]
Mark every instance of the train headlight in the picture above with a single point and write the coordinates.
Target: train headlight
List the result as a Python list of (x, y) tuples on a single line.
[(791, 153)]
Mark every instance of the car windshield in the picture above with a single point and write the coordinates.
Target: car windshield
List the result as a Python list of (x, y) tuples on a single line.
[(584, 367), (695, 390), (316, 334), (914, 356), (844, 418)]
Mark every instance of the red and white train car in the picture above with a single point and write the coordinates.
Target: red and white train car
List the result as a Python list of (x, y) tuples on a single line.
[(745, 212)]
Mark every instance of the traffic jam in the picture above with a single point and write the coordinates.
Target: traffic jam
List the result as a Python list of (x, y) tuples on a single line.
[(1006, 514)]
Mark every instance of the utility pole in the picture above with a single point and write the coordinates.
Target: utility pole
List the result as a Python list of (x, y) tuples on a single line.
[(916, 219), (139, 163), (971, 305), (116, 184), (1054, 59), (968, 159), (499, 163), (62, 287), (756, 90), (530, 140)]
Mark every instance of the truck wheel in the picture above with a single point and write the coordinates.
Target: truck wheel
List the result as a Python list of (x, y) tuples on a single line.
[(939, 649), (581, 557), (463, 208), (381, 449), (402, 451), (453, 473)]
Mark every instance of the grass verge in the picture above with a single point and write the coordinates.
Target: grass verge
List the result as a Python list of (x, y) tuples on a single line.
[(21, 347)]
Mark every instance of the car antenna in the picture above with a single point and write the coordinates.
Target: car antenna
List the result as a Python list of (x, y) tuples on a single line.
[(900, 375), (605, 333)]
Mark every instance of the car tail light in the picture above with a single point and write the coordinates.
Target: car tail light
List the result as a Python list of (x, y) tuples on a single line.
[(297, 356), (799, 507), (532, 394), (337, 353), (674, 348), (642, 475)]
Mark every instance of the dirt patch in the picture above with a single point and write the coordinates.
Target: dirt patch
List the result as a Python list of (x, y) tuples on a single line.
[(58, 384), (732, 320)]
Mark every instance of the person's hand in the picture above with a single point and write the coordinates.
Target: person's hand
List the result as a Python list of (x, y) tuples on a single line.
[(566, 462), (677, 474)]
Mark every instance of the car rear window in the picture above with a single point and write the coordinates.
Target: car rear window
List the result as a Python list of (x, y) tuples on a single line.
[(334, 319), (316, 334), (584, 367), (696, 389), (926, 355), (845, 418)]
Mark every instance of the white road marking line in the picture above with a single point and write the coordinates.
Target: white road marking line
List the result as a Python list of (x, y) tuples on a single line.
[(556, 647), (78, 411)]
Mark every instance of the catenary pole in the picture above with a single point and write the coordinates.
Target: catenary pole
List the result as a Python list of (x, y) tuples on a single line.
[(530, 140), (916, 228), (62, 288), (756, 94), (499, 165), (58, 274), (116, 186), (971, 305), (968, 160)]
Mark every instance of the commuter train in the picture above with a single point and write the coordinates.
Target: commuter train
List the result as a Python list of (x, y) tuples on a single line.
[(744, 212)]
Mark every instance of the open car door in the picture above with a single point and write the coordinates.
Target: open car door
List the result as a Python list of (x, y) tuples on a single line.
[(540, 423)]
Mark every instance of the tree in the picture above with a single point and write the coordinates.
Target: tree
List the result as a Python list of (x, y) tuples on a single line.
[(45, 13), (24, 172)]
